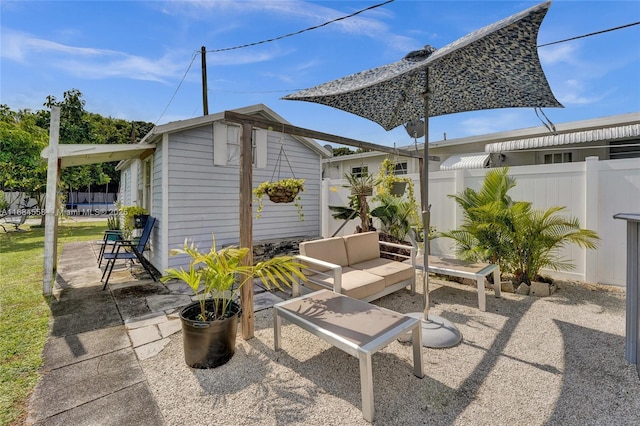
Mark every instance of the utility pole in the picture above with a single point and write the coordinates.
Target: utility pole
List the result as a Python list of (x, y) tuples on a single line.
[(205, 100)]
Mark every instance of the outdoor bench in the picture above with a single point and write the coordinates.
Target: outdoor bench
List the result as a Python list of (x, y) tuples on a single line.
[(352, 265), (461, 269)]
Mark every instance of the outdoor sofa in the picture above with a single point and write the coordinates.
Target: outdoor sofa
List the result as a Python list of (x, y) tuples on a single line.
[(351, 265)]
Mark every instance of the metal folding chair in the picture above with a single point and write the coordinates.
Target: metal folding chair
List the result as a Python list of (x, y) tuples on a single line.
[(129, 250)]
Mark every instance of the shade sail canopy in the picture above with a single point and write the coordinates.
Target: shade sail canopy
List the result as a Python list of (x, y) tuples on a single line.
[(630, 131), (466, 161), (494, 67), (81, 154)]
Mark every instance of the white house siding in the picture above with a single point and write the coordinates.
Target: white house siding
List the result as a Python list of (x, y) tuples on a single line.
[(281, 220), (158, 247), (204, 199), (593, 191)]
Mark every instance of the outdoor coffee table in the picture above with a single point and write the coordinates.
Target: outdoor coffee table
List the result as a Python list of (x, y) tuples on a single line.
[(358, 328)]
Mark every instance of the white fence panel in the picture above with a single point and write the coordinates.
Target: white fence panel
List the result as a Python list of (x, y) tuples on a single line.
[(593, 191)]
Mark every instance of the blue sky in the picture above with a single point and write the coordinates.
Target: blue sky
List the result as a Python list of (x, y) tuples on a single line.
[(135, 59)]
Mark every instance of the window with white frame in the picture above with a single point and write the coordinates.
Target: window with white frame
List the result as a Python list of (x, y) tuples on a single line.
[(360, 171), (558, 157), (226, 145), (400, 168)]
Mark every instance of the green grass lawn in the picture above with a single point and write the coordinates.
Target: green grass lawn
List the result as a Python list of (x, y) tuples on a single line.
[(24, 312)]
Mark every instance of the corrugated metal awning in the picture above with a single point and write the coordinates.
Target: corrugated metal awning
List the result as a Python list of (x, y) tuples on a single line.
[(594, 135), (466, 161)]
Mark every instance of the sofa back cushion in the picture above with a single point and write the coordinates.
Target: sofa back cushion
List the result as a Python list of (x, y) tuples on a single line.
[(362, 247), (330, 250)]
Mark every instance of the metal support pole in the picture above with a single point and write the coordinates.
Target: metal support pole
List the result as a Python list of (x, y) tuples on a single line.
[(437, 332)]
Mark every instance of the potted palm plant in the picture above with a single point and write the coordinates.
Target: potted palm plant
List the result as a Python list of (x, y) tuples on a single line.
[(210, 324)]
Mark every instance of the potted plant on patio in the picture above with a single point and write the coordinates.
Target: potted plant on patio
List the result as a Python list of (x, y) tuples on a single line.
[(280, 191), (133, 217), (210, 324)]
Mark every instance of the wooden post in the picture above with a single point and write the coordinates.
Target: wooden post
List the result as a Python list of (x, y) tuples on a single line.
[(51, 208), (246, 226)]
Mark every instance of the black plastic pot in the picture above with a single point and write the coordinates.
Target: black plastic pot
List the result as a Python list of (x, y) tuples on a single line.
[(208, 344), (140, 220)]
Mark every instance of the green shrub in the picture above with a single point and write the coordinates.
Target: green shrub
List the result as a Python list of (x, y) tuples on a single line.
[(520, 239)]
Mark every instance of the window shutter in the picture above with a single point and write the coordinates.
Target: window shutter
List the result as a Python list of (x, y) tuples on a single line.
[(261, 148), (219, 144)]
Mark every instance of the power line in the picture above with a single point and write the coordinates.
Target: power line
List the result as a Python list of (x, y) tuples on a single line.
[(301, 31), (257, 91), (589, 35), (336, 20), (193, 58), (262, 42)]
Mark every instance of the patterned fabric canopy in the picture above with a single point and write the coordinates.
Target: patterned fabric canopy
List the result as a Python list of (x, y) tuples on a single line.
[(494, 67)]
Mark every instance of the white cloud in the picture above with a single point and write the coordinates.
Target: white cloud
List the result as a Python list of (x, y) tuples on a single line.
[(562, 53), (368, 24), (485, 123), (17, 46), (572, 93), (92, 63)]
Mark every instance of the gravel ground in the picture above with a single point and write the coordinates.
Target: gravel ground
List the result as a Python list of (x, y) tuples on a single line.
[(557, 360)]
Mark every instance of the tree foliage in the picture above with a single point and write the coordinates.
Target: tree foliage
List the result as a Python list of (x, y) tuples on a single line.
[(343, 150), (21, 141), (23, 135)]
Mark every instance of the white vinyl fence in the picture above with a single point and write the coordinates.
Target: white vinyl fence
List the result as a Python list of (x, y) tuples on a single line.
[(593, 191)]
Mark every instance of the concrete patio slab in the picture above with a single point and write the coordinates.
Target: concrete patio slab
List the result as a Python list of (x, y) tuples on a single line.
[(264, 300), (167, 302), (133, 405), (73, 348), (151, 349), (143, 335), (80, 383)]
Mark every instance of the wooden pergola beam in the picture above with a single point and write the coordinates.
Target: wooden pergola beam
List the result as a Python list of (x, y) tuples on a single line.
[(246, 185), (264, 123)]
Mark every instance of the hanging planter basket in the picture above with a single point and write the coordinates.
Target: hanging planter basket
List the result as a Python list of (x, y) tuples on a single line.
[(398, 188), (281, 191), (282, 194)]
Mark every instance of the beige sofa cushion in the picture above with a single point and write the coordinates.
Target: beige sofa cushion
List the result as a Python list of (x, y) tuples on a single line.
[(362, 247), (330, 250), (355, 283), (393, 272)]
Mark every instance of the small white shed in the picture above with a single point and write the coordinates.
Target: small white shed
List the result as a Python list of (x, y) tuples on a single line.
[(190, 183)]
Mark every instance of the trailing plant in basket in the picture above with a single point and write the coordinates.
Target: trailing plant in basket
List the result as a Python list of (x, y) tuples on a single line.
[(219, 275), (280, 191), (386, 181)]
